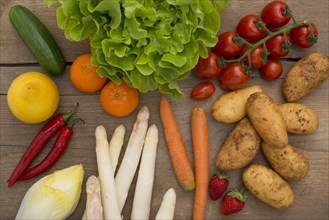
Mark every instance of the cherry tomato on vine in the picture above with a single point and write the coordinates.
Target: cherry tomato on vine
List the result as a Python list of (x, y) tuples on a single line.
[(233, 77), (207, 68), (302, 35), (226, 47), (255, 55), (277, 47), (276, 14), (272, 69), (203, 90), (248, 29)]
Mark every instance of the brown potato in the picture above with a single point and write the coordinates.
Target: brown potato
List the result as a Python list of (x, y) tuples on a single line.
[(231, 107), (264, 114), (240, 147), (288, 162), (298, 118), (267, 186), (305, 76)]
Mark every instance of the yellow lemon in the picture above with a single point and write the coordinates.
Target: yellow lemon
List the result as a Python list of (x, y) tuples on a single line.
[(33, 97)]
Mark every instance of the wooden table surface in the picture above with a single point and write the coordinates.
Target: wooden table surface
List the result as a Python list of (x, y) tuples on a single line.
[(311, 193)]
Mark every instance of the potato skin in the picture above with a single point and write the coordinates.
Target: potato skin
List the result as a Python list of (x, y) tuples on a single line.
[(265, 116), (267, 186), (288, 162), (240, 147), (298, 118), (305, 76), (231, 107)]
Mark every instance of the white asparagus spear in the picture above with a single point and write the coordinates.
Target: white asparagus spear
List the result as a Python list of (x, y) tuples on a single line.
[(131, 157), (167, 208), (106, 175), (144, 186), (94, 208), (116, 144)]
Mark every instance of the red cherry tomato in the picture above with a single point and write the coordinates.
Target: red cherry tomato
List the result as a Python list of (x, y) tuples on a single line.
[(207, 68), (274, 14), (203, 90), (302, 35), (255, 55), (248, 29), (276, 46), (272, 69), (233, 77), (226, 47)]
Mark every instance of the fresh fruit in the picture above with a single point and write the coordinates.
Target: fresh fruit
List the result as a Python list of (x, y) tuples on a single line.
[(207, 68), (233, 202), (276, 14), (226, 47), (255, 56), (203, 90), (38, 39), (119, 99), (218, 185), (33, 97), (272, 69), (277, 46), (303, 36), (83, 75), (248, 29), (233, 77)]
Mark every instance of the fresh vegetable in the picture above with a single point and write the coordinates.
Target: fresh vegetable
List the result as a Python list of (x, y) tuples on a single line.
[(233, 202), (304, 36), (153, 44), (265, 116), (54, 154), (272, 69), (248, 28), (167, 208), (144, 186), (233, 77), (109, 193), (306, 75), (218, 185), (38, 143), (226, 46), (199, 127), (55, 196), (240, 147), (119, 100), (116, 144), (38, 39), (276, 14), (132, 156), (299, 118), (202, 90), (256, 56), (207, 68), (33, 97), (94, 208), (279, 45), (174, 139), (267, 186), (289, 162), (231, 107), (83, 75)]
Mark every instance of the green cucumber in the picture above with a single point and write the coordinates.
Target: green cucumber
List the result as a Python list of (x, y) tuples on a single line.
[(38, 39)]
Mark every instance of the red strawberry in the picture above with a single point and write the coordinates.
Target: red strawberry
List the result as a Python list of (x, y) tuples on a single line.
[(218, 185), (233, 201)]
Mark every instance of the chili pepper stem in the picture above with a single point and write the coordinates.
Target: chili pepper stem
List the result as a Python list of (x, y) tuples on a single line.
[(72, 123), (68, 115)]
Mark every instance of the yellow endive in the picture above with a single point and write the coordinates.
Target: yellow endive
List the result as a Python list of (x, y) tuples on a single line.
[(54, 196)]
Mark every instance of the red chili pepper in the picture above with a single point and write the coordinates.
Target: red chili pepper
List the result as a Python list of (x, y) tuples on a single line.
[(56, 151), (38, 143)]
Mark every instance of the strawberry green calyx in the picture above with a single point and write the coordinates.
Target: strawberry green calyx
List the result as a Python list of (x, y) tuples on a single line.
[(221, 175), (238, 194)]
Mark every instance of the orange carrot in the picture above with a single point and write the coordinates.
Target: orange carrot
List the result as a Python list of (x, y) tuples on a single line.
[(201, 161), (180, 161)]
